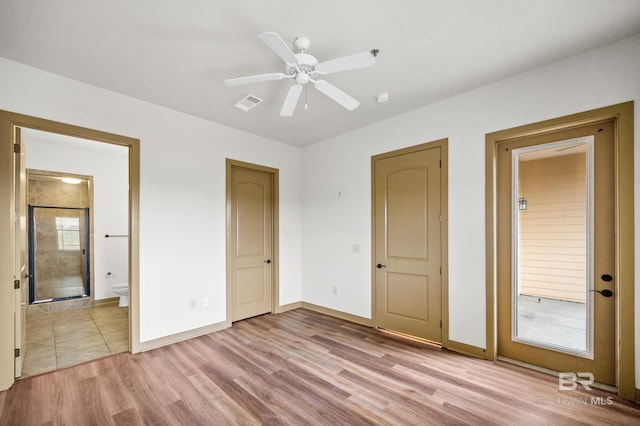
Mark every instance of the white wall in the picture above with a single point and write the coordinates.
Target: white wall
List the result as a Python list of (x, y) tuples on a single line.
[(109, 168), (182, 209), (331, 224), (182, 192)]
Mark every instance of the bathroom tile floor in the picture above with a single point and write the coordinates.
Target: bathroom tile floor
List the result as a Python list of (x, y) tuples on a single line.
[(60, 339), (55, 287)]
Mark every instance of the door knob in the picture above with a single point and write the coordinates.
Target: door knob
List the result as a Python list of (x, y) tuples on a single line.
[(267, 261), (605, 292), (606, 277), (380, 266)]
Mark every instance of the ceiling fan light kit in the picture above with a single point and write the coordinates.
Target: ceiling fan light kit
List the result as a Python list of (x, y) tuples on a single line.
[(305, 68)]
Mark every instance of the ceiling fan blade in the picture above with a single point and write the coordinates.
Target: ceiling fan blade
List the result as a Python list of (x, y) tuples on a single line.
[(276, 44), (336, 94), (346, 63), (232, 82), (291, 100)]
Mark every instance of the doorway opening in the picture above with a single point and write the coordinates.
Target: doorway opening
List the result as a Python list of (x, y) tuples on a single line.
[(252, 240), (553, 245), (59, 245), (13, 185), (409, 234), (58, 253), (562, 244), (73, 314)]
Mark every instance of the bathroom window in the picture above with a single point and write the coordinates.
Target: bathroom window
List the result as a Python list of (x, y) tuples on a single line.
[(68, 233)]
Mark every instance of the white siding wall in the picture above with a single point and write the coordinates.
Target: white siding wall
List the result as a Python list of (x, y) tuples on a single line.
[(553, 229)]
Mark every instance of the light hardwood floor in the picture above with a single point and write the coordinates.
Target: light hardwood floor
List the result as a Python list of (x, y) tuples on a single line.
[(302, 367)]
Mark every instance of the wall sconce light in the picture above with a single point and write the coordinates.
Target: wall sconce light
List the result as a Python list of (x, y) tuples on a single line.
[(522, 204)]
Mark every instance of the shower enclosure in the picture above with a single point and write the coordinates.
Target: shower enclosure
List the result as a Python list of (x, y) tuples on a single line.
[(59, 240), (58, 253)]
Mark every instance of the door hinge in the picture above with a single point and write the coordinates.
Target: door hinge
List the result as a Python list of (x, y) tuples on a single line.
[(16, 148), (16, 284), (440, 323), (16, 352), (441, 270), (440, 163)]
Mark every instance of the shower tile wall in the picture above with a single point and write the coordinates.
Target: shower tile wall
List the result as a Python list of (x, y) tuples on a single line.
[(56, 193), (59, 273)]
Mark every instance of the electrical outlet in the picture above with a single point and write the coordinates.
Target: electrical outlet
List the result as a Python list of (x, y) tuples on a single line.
[(205, 302), (335, 289), (192, 303)]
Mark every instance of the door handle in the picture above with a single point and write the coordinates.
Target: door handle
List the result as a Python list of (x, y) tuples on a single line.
[(267, 261), (380, 266), (605, 292), (606, 277)]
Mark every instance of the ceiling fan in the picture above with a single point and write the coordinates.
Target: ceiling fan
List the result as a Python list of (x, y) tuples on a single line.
[(305, 68)]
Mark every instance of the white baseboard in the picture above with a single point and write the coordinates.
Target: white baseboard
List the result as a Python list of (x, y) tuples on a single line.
[(179, 337)]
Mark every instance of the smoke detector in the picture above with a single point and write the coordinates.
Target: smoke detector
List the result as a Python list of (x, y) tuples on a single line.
[(382, 97)]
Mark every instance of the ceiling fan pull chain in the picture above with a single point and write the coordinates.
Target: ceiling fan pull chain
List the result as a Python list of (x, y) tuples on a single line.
[(305, 97)]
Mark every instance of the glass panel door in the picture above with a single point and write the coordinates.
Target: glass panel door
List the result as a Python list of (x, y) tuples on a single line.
[(59, 253), (552, 219)]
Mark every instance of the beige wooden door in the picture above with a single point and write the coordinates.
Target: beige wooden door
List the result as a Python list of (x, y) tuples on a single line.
[(251, 242), (407, 209), (578, 246), (20, 231)]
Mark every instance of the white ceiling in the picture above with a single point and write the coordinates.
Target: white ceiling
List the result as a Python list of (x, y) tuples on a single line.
[(178, 53)]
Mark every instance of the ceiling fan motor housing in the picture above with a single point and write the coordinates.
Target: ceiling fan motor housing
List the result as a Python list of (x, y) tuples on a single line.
[(305, 68)]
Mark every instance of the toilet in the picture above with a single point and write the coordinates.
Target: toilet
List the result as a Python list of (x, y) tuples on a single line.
[(122, 290)]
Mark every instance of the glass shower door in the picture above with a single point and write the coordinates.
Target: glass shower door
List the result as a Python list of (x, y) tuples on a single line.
[(58, 253)]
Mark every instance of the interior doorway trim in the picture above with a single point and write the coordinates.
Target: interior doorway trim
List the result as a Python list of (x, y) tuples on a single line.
[(8, 122), (622, 114), (444, 191), (275, 270)]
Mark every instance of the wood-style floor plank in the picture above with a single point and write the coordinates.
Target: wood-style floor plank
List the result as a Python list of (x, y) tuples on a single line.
[(302, 368)]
